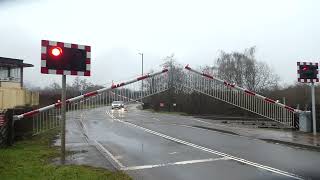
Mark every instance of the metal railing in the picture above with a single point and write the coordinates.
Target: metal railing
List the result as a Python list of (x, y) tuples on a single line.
[(240, 97), (49, 117)]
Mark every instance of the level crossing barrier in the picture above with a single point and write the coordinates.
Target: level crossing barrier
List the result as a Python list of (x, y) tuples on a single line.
[(240, 97), (49, 117)]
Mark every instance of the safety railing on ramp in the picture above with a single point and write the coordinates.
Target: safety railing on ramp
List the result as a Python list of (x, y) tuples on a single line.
[(49, 117), (240, 97)]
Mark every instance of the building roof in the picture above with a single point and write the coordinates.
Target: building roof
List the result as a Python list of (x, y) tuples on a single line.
[(9, 62)]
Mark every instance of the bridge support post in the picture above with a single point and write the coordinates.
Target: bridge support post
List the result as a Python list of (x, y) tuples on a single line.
[(313, 109)]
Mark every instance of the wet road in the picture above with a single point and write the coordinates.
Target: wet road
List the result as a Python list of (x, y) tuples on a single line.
[(160, 146)]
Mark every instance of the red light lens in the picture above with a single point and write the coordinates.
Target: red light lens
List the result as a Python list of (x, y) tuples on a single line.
[(305, 68), (56, 51)]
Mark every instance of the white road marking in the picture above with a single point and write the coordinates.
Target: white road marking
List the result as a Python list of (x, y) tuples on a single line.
[(268, 168), (172, 164), (118, 163), (201, 121), (173, 153), (108, 112), (137, 114), (102, 149), (85, 129), (156, 119)]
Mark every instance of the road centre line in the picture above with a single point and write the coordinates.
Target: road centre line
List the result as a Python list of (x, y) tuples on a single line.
[(172, 164), (268, 168)]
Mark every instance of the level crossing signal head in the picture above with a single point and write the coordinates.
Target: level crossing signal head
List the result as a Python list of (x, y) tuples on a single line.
[(65, 58), (307, 72)]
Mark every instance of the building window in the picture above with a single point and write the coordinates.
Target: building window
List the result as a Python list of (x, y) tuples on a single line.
[(3, 73), (15, 73)]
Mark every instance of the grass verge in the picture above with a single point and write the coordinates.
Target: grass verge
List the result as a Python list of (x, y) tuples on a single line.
[(30, 159)]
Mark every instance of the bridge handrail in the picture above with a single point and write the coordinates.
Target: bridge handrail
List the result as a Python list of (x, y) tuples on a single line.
[(248, 92), (93, 93)]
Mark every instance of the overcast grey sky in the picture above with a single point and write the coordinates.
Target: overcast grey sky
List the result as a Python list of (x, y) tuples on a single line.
[(284, 32)]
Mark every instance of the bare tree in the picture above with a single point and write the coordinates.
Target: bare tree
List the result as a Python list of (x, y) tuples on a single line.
[(176, 71), (243, 69), (175, 79)]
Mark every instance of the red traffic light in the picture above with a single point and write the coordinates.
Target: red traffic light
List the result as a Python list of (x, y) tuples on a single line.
[(56, 51), (305, 68)]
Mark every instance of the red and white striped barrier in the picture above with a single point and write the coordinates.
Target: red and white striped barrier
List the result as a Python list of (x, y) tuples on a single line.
[(2, 120), (93, 93), (248, 92)]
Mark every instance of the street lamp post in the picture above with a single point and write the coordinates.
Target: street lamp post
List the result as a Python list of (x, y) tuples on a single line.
[(141, 63), (141, 75)]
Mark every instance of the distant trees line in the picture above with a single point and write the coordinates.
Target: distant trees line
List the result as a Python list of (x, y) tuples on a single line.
[(52, 93)]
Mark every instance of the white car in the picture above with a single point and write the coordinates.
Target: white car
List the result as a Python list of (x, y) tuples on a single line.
[(117, 105)]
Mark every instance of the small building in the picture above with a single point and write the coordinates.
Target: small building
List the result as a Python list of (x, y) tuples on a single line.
[(12, 92)]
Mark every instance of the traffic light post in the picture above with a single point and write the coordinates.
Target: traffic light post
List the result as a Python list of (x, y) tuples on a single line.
[(308, 73), (313, 99), (63, 119), (65, 59)]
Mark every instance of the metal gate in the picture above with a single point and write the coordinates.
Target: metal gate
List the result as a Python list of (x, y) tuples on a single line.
[(49, 117), (240, 97)]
